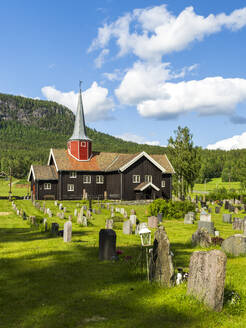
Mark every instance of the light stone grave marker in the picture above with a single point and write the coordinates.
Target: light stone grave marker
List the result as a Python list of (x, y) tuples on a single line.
[(127, 227), (67, 232)]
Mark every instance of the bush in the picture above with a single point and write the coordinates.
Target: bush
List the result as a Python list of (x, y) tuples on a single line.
[(170, 209)]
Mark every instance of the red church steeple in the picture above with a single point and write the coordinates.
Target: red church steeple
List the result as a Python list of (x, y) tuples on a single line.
[(79, 145)]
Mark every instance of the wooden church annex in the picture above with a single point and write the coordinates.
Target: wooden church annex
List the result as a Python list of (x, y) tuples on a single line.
[(78, 173)]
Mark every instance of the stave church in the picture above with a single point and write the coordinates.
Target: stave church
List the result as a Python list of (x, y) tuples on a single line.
[(79, 173)]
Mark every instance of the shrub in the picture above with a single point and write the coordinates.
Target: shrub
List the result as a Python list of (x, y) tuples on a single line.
[(170, 209)]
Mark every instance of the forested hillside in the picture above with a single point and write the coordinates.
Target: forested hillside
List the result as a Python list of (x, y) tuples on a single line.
[(29, 128)]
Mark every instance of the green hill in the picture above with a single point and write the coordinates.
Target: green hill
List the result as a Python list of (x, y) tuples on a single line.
[(29, 128)]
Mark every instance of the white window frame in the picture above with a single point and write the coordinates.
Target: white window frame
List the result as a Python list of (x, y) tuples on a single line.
[(87, 179), (73, 174), (47, 186), (148, 178), (163, 183), (70, 187), (136, 178), (99, 179)]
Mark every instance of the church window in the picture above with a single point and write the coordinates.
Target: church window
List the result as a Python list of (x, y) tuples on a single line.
[(86, 179), (136, 179), (70, 187), (47, 186), (99, 179), (73, 174), (163, 183), (83, 144), (148, 178)]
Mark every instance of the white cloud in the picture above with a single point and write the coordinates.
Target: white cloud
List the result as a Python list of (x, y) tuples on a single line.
[(138, 139), (236, 142), (97, 104), (146, 86), (153, 32), (100, 59)]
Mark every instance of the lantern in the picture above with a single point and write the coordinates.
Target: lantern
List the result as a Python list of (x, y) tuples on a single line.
[(145, 235)]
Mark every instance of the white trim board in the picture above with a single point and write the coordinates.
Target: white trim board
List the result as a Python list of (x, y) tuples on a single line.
[(149, 184), (52, 154), (135, 159), (31, 171)]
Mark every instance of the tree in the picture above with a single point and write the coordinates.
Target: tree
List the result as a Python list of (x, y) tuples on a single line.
[(185, 159)]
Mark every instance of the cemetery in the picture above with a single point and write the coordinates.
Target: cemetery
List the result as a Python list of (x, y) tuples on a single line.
[(74, 264)]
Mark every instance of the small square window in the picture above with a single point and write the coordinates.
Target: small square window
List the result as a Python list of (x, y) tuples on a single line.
[(83, 144), (136, 179), (73, 174), (163, 183), (47, 186), (86, 179), (70, 187), (100, 179)]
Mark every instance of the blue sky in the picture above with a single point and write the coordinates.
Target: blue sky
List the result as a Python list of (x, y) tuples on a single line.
[(146, 66)]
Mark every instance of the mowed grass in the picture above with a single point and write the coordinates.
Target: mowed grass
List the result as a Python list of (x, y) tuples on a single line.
[(46, 283), (216, 183), (17, 189)]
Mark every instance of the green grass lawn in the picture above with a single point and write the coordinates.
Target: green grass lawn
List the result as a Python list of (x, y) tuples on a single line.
[(19, 187), (216, 183), (47, 283)]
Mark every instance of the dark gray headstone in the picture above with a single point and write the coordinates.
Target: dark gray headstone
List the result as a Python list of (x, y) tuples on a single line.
[(107, 244), (217, 209), (54, 228)]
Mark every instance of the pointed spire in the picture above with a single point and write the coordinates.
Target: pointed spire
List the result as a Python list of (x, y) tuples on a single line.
[(79, 131)]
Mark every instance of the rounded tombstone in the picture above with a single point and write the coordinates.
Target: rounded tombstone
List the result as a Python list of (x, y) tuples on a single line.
[(107, 244)]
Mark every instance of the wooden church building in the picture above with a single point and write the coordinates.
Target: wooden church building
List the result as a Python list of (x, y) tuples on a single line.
[(78, 173)]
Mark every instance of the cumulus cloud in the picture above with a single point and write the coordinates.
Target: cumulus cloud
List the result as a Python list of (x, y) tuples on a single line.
[(153, 32), (146, 86), (138, 139), (97, 104), (236, 142)]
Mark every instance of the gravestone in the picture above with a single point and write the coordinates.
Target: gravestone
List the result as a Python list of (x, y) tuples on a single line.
[(50, 214), (125, 215), (60, 207), (235, 245), (88, 214), (67, 232), (205, 217), (188, 219), (109, 224), (65, 210), (45, 223), (152, 222), (84, 221), (227, 218), (159, 217), (206, 279), (70, 218), (133, 218), (209, 226), (75, 212), (55, 203), (161, 266), (24, 215), (62, 215), (107, 244), (202, 238), (18, 212), (33, 220), (112, 215), (237, 224), (54, 228), (226, 205), (127, 227), (217, 209), (133, 212), (122, 211), (236, 211)]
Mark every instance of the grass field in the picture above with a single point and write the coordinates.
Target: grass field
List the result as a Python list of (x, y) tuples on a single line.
[(19, 187), (47, 283), (216, 183)]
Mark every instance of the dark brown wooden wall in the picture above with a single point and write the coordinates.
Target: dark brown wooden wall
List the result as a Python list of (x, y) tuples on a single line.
[(144, 167), (92, 189), (113, 185), (41, 192)]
